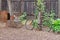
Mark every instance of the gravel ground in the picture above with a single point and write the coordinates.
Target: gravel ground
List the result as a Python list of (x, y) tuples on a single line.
[(23, 34)]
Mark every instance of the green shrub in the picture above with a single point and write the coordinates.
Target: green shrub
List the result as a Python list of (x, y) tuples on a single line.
[(35, 23), (36, 12), (56, 25), (40, 7), (48, 18), (23, 18)]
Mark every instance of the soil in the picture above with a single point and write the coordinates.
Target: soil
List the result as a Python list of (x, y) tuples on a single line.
[(23, 34)]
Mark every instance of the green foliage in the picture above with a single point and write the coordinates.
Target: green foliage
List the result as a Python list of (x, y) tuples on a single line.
[(23, 18), (40, 8), (48, 18), (35, 23), (40, 5), (56, 25), (36, 13)]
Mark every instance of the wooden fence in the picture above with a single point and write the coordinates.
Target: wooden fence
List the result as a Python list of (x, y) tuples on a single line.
[(52, 4), (19, 6)]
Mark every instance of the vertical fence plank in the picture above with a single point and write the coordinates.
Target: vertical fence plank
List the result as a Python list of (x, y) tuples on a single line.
[(10, 7), (0, 4), (59, 8), (52, 4), (22, 7)]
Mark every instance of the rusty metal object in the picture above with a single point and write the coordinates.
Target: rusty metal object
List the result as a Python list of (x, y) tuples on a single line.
[(3, 16)]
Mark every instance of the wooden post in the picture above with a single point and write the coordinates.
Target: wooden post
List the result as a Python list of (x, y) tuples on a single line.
[(10, 6), (0, 4), (40, 17), (40, 20)]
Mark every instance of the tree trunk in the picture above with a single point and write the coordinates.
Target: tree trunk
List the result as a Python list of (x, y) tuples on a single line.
[(9, 6), (40, 20)]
